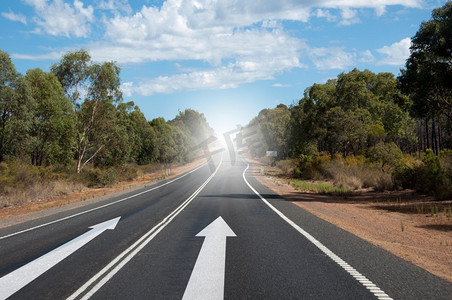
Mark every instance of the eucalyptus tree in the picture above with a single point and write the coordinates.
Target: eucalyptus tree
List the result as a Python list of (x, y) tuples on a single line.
[(53, 122), (94, 89), (16, 107), (427, 78)]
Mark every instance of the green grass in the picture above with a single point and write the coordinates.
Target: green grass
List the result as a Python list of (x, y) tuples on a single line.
[(319, 187)]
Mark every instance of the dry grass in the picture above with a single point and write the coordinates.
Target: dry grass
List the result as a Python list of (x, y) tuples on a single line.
[(38, 192), (349, 182), (354, 173), (319, 187)]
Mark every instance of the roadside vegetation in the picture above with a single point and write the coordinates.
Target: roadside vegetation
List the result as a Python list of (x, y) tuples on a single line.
[(367, 130), (68, 129)]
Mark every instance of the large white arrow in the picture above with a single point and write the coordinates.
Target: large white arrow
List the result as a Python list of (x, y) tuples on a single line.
[(207, 278), (14, 281)]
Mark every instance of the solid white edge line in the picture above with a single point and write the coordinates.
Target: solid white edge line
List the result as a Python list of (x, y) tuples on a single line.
[(349, 269), (103, 206), (116, 264)]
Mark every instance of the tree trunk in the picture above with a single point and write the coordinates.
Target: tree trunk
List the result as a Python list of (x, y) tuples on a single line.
[(427, 140), (440, 138), (79, 165), (434, 145)]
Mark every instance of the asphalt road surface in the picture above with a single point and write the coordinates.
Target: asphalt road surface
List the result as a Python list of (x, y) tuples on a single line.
[(212, 233)]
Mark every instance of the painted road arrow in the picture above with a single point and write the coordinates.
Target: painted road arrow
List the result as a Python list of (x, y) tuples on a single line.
[(14, 281), (207, 278)]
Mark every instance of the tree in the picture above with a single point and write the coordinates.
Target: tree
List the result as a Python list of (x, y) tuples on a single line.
[(194, 124), (52, 130), (166, 145), (347, 115), (16, 107), (427, 78), (73, 72), (347, 131), (94, 89), (354, 89), (273, 125)]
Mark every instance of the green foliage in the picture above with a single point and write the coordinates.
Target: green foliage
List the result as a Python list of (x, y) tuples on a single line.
[(311, 166), (387, 155), (73, 72), (348, 115), (319, 187), (193, 124), (53, 123), (15, 174), (96, 177), (95, 113), (432, 175), (427, 78), (271, 127), (16, 109)]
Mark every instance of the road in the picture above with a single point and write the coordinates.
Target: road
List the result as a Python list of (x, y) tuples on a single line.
[(212, 233)]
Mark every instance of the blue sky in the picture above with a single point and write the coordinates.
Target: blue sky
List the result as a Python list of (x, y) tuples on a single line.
[(226, 59)]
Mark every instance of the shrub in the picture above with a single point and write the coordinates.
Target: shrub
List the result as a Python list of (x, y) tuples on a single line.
[(354, 172), (96, 177), (387, 155), (432, 175), (126, 172), (311, 166), (348, 182), (286, 166)]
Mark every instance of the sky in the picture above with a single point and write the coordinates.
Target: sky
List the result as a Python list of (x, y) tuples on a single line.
[(227, 59)]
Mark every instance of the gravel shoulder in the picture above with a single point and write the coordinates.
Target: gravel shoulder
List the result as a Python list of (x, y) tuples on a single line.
[(389, 220)]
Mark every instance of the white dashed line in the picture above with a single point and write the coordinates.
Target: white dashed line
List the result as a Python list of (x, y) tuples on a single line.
[(349, 269)]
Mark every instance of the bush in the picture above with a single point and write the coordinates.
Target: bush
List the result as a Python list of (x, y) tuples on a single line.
[(432, 175), (100, 177), (126, 172), (387, 155), (311, 166), (96, 177), (21, 182), (348, 182), (354, 172), (286, 166)]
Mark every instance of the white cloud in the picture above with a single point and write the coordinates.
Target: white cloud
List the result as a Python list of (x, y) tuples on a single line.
[(222, 77), (47, 56), (239, 41), (349, 16), (378, 5), (281, 85), (115, 6), (331, 58), (127, 89), (62, 19), (395, 54), (367, 56), (15, 17), (324, 13)]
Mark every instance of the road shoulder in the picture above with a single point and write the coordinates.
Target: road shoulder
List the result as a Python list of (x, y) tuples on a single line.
[(411, 237)]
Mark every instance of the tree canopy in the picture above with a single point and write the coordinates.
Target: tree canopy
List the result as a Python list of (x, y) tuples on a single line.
[(76, 112)]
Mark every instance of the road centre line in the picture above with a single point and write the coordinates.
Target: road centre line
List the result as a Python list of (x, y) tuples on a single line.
[(376, 291), (122, 259), (103, 206)]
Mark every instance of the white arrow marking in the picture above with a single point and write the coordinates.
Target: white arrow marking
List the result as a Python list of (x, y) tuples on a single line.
[(207, 278), (14, 281)]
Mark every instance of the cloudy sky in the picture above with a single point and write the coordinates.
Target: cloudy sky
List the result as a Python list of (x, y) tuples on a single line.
[(225, 58)]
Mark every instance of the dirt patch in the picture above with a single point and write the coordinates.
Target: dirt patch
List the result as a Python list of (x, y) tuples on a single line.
[(411, 226), (33, 210)]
